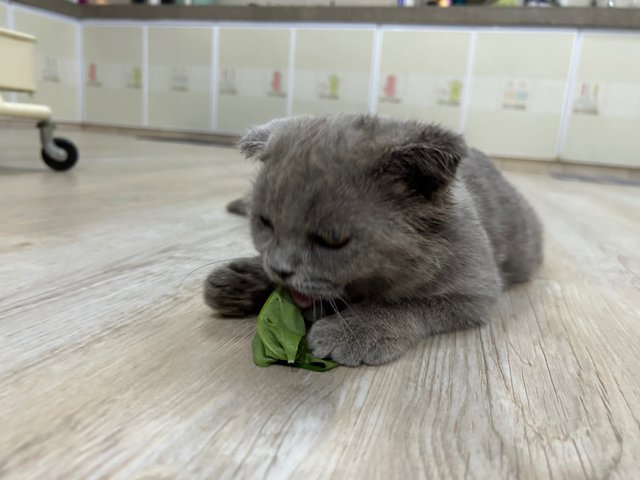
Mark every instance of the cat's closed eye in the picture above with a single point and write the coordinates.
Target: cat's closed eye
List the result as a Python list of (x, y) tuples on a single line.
[(333, 241), (265, 222)]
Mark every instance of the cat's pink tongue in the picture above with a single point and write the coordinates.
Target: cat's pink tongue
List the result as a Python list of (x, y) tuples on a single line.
[(303, 301)]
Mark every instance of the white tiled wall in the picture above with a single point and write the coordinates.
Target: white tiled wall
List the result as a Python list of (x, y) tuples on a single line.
[(524, 93)]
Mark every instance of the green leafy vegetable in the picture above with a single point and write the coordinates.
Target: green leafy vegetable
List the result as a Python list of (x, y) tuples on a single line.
[(280, 336)]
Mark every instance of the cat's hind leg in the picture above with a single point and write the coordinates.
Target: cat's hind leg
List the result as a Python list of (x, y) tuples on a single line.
[(239, 207)]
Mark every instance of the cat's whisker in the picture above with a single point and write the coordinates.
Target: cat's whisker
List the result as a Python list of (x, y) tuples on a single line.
[(351, 310), (344, 323), (349, 307), (203, 266)]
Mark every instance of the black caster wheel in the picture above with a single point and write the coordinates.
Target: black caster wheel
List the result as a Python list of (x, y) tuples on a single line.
[(68, 162)]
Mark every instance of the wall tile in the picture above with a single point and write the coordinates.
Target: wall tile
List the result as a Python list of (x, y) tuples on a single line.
[(56, 63), (113, 75), (180, 77), (422, 75), (517, 92), (605, 111), (332, 70), (253, 77)]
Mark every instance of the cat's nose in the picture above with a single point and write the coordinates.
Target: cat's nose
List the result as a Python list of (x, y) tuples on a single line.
[(283, 274)]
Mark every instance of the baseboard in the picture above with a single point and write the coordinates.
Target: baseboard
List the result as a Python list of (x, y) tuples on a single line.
[(162, 134), (140, 132), (563, 168), (544, 167)]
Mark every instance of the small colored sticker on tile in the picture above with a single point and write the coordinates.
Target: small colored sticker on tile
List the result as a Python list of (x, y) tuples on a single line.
[(51, 70), (228, 82), (179, 81), (92, 75), (390, 89), (276, 85), (133, 78), (450, 93), (329, 88), (515, 95), (587, 100)]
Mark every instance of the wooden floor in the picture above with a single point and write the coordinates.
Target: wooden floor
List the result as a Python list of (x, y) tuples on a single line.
[(112, 367)]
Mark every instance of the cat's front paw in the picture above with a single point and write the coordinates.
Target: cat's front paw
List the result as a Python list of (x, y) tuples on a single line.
[(238, 289), (351, 342)]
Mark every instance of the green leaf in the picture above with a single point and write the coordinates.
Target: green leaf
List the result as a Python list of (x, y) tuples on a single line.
[(280, 336)]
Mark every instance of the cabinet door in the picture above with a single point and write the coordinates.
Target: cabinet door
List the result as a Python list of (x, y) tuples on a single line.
[(422, 75), (112, 75), (605, 111), (332, 70), (56, 62), (253, 77), (180, 83), (518, 92)]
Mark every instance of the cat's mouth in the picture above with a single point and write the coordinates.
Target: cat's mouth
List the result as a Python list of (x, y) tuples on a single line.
[(310, 294), (301, 300)]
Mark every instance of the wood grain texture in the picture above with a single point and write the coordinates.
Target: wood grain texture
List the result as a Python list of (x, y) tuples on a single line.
[(112, 367)]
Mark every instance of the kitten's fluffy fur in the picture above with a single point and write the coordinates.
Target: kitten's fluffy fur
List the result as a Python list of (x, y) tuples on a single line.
[(431, 231)]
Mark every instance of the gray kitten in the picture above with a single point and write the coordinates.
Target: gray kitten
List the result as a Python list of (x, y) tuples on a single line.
[(384, 231)]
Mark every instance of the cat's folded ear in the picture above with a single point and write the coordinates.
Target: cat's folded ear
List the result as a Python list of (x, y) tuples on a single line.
[(255, 141), (426, 162)]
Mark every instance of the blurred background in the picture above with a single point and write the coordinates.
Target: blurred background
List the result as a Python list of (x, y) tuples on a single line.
[(545, 84)]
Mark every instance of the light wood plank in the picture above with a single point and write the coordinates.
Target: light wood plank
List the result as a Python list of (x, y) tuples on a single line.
[(112, 367)]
